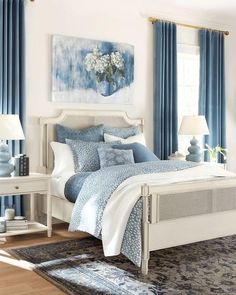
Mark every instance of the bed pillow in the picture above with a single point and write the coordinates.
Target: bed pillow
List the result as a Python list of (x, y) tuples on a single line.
[(85, 154), (141, 152), (63, 159), (74, 185), (122, 132), (94, 133), (112, 157), (136, 138)]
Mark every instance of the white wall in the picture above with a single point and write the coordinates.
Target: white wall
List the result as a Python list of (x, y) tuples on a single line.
[(119, 21), (230, 71), (87, 19)]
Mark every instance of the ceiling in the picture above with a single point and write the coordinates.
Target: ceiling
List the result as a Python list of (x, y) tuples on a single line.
[(227, 7), (223, 11)]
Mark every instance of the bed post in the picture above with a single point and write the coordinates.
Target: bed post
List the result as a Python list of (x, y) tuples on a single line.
[(145, 229)]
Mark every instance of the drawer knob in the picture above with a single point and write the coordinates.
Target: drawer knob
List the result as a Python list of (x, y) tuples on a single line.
[(16, 187)]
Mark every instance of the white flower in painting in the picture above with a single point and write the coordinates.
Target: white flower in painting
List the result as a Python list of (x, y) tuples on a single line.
[(117, 60), (90, 62), (96, 52), (106, 67), (102, 63), (91, 59)]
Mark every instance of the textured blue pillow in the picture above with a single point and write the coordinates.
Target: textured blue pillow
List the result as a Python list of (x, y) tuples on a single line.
[(141, 152), (123, 132), (112, 157), (88, 134), (85, 154), (74, 185)]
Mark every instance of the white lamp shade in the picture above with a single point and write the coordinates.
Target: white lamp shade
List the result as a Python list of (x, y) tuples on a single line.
[(193, 125), (10, 128)]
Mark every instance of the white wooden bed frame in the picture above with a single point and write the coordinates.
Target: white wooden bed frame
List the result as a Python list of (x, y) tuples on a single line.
[(157, 234)]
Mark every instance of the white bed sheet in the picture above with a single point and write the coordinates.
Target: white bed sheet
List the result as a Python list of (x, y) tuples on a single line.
[(58, 184)]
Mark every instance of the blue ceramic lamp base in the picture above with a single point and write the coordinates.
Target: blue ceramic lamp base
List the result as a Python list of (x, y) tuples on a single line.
[(6, 168), (194, 151)]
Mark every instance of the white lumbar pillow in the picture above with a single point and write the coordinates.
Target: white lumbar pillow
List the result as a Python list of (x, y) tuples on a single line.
[(63, 159), (135, 138)]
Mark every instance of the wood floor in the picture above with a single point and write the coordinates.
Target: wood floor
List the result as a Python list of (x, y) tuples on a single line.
[(16, 278)]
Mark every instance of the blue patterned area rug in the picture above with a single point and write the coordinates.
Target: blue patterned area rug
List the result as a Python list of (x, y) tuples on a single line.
[(79, 267)]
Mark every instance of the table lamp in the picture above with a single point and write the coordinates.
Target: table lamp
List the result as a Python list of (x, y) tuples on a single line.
[(10, 129), (194, 125)]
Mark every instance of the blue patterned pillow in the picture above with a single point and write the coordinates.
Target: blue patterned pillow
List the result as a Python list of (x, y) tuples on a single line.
[(88, 134), (112, 157), (85, 154), (141, 152), (123, 132)]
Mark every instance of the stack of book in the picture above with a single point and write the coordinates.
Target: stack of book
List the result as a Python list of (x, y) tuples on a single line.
[(21, 165), (17, 224)]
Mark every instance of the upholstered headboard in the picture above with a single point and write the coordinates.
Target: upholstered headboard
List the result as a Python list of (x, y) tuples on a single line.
[(78, 119)]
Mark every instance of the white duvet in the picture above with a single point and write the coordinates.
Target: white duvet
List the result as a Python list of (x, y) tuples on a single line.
[(122, 201)]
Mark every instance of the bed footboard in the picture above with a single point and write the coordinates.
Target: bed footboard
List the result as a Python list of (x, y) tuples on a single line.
[(159, 234), (145, 229)]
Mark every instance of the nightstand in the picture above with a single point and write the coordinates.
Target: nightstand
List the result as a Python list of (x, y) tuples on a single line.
[(34, 185)]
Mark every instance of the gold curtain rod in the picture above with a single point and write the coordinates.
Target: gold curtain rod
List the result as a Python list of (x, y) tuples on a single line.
[(153, 20)]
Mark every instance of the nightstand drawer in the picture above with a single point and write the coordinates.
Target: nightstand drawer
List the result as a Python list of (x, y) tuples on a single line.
[(19, 187)]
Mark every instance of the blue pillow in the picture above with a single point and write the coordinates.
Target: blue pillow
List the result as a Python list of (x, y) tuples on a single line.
[(112, 157), (141, 152), (123, 132), (88, 134), (74, 185), (85, 154)]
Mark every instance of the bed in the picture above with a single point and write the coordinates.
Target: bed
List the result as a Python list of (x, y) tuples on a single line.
[(189, 207), (61, 208)]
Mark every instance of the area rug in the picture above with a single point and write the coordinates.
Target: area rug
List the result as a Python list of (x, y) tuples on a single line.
[(79, 267)]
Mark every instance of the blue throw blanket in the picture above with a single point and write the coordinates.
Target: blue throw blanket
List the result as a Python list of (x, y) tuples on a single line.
[(96, 191)]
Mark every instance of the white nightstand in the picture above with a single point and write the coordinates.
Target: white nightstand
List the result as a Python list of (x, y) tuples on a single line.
[(35, 185)]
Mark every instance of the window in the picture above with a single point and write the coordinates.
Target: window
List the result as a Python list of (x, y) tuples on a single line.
[(188, 87)]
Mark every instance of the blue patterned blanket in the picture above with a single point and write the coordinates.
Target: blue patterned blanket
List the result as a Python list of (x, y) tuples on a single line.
[(95, 192)]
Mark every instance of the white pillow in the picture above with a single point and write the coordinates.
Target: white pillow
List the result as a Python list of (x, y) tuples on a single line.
[(135, 138), (63, 159)]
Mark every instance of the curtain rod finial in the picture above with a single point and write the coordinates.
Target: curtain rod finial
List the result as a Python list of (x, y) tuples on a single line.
[(152, 19), (227, 33)]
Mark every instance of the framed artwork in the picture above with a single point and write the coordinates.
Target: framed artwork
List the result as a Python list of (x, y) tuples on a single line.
[(92, 71)]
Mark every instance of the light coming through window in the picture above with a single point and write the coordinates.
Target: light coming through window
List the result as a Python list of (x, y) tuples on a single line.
[(188, 88)]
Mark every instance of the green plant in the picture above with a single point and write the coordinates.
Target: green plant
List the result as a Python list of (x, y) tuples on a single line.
[(214, 151)]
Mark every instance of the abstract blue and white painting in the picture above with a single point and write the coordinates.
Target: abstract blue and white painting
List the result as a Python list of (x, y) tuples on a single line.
[(92, 71)]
